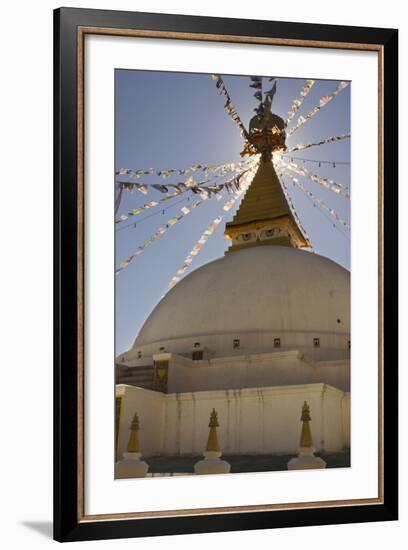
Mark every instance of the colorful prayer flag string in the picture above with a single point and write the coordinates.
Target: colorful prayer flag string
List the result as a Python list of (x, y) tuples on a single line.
[(179, 187), (301, 146), (319, 162), (229, 106), (293, 210), (140, 209), (256, 84), (324, 100), (296, 104), (246, 177), (337, 188), (316, 200), (205, 192), (165, 173), (195, 250), (159, 233), (210, 230)]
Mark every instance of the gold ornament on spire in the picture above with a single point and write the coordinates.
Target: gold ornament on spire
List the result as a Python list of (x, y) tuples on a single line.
[(265, 216)]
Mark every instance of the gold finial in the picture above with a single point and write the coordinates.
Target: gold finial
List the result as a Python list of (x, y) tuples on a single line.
[(305, 412), (212, 443), (306, 435), (133, 444), (213, 419)]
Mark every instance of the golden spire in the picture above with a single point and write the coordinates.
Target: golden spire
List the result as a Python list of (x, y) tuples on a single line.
[(264, 216), (133, 444), (306, 435), (212, 443)]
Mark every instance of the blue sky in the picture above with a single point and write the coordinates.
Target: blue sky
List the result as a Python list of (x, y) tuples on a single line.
[(174, 120)]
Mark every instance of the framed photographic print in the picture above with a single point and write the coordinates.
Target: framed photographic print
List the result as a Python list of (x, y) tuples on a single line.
[(225, 274)]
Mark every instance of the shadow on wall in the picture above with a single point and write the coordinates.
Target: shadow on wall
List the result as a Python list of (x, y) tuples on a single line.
[(44, 528)]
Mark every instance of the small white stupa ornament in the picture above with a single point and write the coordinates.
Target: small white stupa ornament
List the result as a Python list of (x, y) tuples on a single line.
[(131, 465), (212, 463), (306, 458)]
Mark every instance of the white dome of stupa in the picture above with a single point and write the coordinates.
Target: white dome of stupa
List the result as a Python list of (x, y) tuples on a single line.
[(255, 295)]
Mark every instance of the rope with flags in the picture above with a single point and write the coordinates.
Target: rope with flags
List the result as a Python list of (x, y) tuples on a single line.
[(257, 84), (208, 232), (316, 200), (205, 191), (157, 234), (324, 100), (194, 251), (224, 169), (337, 188), (166, 172), (319, 162), (176, 219), (301, 146), (210, 173), (229, 106), (293, 209), (297, 103), (162, 211)]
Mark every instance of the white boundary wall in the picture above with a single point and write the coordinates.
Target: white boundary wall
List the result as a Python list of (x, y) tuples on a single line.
[(252, 420)]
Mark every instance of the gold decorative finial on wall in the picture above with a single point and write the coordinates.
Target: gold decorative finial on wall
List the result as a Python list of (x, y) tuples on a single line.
[(306, 435), (212, 463), (306, 460), (133, 443), (212, 443), (131, 465)]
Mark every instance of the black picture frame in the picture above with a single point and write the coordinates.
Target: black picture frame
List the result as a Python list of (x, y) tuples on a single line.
[(68, 525)]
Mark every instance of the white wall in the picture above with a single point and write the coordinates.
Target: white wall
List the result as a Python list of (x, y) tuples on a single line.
[(252, 421), (149, 406), (26, 295), (258, 421)]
